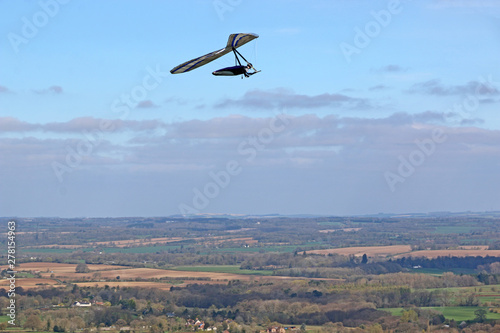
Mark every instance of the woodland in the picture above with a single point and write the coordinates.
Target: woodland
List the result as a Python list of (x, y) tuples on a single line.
[(276, 279)]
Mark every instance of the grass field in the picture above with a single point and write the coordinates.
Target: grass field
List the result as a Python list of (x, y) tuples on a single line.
[(119, 249), (453, 229), (336, 224), (460, 313), (457, 313), (281, 249), (485, 294), (440, 271), (233, 269), (47, 250), (140, 249), (489, 289), (140, 242)]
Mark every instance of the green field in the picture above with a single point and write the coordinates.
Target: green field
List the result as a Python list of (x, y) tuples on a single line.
[(460, 313), (331, 224), (489, 293), (46, 250), (24, 275), (140, 249), (281, 249), (233, 269), (457, 313), (440, 271), (492, 288), (453, 229)]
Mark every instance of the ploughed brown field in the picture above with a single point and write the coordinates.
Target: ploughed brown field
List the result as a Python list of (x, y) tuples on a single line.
[(139, 284), (57, 274), (119, 243), (398, 251), (142, 242), (154, 273), (453, 253), (337, 230), (152, 241), (58, 268), (62, 246), (473, 247), (371, 251), (30, 283), (242, 240), (146, 274)]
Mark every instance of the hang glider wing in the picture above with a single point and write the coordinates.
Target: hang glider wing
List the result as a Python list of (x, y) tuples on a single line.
[(200, 61), (234, 41), (237, 40)]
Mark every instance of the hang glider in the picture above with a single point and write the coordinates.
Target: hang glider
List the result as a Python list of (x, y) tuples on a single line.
[(234, 41)]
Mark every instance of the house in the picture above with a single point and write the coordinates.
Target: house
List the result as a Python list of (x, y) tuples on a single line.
[(80, 304), (275, 329), (196, 324)]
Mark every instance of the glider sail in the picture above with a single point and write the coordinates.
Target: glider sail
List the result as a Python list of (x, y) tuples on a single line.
[(237, 40), (234, 41)]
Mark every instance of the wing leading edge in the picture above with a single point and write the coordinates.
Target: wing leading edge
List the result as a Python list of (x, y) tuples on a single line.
[(234, 41), (237, 40)]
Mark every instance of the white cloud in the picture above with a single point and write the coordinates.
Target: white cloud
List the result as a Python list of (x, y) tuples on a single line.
[(284, 98), (77, 125), (55, 89), (474, 88)]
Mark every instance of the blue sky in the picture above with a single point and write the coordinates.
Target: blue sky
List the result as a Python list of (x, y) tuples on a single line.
[(361, 107)]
